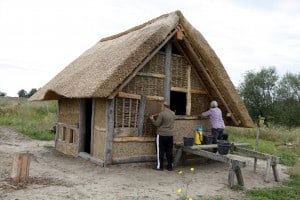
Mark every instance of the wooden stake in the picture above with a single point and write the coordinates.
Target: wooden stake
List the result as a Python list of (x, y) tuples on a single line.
[(20, 168)]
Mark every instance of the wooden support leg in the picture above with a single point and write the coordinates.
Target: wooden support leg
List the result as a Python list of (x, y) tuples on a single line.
[(275, 171), (177, 156), (267, 175), (239, 175), (234, 169), (231, 176), (20, 168)]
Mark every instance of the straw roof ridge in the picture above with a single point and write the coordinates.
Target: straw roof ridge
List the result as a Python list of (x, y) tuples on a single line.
[(139, 26)]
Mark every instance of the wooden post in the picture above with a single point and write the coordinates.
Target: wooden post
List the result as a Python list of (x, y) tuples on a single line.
[(168, 73), (20, 168)]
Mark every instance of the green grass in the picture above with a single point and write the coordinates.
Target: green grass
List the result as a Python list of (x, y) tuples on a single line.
[(289, 191), (34, 119)]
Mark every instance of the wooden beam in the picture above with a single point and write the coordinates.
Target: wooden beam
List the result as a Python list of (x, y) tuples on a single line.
[(155, 98), (141, 65), (141, 115), (178, 89), (92, 126), (134, 139), (148, 74), (179, 35), (207, 77), (128, 95), (188, 94), (168, 73), (109, 131), (82, 125)]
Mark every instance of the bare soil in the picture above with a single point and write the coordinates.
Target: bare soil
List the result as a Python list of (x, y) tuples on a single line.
[(57, 176)]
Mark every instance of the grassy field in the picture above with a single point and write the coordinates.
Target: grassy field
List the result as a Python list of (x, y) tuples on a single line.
[(36, 119)]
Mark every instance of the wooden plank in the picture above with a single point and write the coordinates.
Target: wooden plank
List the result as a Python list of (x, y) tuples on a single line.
[(141, 115), (154, 75), (193, 91), (255, 154), (128, 95), (178, 89), (109, 131), (213, 156), (179, 35), (92, 126), (188, 94), (141, 65), (168, 73), (155, 98), (133, 139), (82, 126)]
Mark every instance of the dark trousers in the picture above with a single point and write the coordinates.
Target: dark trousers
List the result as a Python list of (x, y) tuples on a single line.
[(164, 145), (217, 134)]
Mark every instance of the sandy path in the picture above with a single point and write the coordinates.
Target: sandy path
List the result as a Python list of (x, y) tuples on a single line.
[(57, 176)]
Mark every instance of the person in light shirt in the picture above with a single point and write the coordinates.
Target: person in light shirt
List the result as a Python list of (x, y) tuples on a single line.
[(216, 120)]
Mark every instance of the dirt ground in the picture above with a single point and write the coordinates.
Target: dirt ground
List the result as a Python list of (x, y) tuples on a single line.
[(57, 176)]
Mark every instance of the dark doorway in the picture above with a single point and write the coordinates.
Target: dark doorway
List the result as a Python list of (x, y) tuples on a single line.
[(88, 104), (178, 102)]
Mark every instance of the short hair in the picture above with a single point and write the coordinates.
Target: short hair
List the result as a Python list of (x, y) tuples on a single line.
[(213, 104), (166, 104)]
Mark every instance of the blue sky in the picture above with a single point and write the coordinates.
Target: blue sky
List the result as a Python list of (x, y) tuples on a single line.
[(38, 38)]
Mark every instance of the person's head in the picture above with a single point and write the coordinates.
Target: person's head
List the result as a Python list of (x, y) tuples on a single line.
[(213, 104), (165, 105)]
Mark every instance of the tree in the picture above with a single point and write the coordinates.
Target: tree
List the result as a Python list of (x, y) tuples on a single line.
[(258, 91), (287, 104), (22, 93), (32, 91), (2, 94)]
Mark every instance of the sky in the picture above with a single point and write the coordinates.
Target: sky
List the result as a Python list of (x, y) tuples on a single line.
[(39, 38)]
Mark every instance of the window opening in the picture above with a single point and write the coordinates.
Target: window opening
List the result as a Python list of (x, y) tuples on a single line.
[(178, 102)]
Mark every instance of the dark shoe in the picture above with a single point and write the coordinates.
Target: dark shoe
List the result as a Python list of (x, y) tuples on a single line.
[(170, 169)]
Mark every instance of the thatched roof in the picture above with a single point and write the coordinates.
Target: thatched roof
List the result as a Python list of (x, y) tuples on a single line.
[(103, 67)]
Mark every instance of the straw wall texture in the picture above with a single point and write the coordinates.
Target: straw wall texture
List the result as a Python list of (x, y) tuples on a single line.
[(69, 111), (99, 129), (132, 149)]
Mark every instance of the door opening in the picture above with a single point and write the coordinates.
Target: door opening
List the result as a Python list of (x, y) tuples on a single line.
[(178, 102), (88, 124)]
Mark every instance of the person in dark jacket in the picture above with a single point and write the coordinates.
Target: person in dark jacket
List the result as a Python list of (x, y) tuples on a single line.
[(164, 139)]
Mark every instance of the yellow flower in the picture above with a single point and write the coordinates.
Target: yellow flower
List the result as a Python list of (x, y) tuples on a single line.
[(192, 169), (179, 190), (189, 198), (180, 172)]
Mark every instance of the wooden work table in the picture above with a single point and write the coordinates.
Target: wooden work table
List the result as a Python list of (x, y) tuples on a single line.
[(234, 164)]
